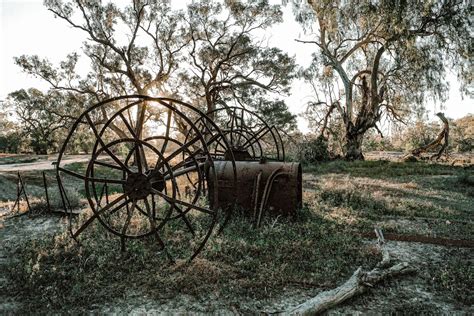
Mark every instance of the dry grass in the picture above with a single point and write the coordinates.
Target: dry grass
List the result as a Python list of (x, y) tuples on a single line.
[(320, 248)]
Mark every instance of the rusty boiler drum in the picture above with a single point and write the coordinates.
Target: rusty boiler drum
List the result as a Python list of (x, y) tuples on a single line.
[(274, 187)]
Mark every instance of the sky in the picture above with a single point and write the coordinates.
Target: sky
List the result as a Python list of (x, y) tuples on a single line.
[(27, 27)]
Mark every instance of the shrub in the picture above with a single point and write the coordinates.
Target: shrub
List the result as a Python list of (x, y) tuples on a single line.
[(315, 150), (55, 200)]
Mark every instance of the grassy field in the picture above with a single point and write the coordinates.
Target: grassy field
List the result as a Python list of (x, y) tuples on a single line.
[(19, 158), (251, 269)]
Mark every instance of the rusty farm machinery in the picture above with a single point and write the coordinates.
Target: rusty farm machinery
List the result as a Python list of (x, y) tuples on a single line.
[(163, 169)]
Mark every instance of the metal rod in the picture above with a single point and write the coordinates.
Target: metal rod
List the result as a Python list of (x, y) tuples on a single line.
[(266, 193), (46, 192), (24, 192), (180, 172), (106, 192), (258, 179)]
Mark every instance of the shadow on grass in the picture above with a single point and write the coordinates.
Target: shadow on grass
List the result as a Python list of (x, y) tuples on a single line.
[(54, 274), (381, 169)]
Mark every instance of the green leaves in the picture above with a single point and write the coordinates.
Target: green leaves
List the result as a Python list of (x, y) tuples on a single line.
[(230, 62)]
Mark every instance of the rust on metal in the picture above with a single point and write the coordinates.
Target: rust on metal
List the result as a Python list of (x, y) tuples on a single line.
[(146, 179), (248, 136), (275, 187), (165, 177)]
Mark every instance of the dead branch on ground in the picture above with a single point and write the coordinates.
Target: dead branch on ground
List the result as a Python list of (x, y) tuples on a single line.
[(358, 283)]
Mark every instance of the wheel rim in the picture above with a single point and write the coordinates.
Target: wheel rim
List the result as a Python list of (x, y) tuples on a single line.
[(138, 185)]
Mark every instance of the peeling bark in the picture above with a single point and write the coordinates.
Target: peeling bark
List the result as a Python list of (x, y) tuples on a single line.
[(353, 146)]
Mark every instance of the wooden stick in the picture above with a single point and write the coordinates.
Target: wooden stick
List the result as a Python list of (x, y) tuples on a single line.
[(24, 192)]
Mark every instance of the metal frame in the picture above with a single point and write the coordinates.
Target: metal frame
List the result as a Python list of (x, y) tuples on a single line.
[(246, 132), (144, 186)]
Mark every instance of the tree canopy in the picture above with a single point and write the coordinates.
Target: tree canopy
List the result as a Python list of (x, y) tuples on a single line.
[(377, 59), (41, 115), (212, 53), (231, 63)]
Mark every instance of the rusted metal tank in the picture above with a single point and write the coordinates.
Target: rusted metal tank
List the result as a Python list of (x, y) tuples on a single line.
[(274, 186)]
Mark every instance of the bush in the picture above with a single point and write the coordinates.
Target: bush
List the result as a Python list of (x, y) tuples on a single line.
[(315, 150), (465, 145)]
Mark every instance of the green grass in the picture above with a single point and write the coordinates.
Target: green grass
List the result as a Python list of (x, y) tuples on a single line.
[(241, 263), (381, 169), (371, 191), (34, 184), (454, 275), (12, 159), (320, 248)]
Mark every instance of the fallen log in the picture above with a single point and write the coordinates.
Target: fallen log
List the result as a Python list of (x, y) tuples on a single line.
[(358, 283)]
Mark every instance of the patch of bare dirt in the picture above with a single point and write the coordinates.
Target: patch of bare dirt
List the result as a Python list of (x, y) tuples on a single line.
[(134, 303), (12, 230)]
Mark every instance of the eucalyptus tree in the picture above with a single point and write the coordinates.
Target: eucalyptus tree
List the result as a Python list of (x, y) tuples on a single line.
[(132, 49), (230, 61), (41, 117), (375, 59)]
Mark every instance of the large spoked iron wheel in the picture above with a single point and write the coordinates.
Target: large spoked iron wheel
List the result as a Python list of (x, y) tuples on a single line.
[(147, 172)]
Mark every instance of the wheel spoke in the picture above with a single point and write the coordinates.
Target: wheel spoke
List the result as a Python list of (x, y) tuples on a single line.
[(129, 217), (105, 164), (97, 213), (140, 157), (104, 147), (82, 177), (129, 127), (157, 235), (177, 152), (184, 203), (256, 137), (182, 215), (180, 172), (232, 128)]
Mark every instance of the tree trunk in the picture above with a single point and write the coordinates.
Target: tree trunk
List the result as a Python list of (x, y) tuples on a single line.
[(353, 146), (442, 140)]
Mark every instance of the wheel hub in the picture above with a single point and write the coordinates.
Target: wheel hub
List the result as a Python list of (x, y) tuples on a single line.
[(137, 186), (156, 179)]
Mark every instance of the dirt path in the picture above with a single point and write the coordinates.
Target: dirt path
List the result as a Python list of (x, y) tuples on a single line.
[(42, 164)]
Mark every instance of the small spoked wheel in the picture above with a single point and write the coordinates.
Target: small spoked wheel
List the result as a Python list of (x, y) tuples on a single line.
[(145, 177)]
